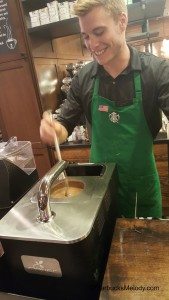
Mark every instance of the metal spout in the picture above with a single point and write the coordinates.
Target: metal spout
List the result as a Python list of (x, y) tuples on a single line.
[(45, 213)]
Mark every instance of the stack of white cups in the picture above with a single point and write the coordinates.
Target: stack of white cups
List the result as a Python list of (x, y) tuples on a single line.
[(53, 11), (64, 10)]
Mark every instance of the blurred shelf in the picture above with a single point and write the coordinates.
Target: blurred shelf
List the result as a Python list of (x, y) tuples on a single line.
[(137, 13), (57, 29), (142, 36), (150, 9)]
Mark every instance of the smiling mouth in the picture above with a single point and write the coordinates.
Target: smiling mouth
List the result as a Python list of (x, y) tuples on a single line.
[(97, 53)]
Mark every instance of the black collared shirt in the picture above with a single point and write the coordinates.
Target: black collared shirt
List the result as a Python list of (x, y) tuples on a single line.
[(154, 73)]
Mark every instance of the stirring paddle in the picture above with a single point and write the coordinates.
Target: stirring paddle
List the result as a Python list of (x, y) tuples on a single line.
[(57, 148)]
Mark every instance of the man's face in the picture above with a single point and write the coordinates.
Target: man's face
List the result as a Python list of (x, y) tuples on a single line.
[(103, 36)]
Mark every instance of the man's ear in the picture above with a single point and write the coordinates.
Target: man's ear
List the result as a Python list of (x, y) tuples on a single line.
[(123, 21)]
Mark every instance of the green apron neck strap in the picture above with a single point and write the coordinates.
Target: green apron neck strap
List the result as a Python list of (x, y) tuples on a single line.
[(137, 82), (96, 87)]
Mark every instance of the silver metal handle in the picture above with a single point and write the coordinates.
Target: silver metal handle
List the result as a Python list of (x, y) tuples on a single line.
[(45, 213)]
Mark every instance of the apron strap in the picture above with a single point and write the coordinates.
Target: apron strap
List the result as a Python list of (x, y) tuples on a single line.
[(96, 87), (137, 82)]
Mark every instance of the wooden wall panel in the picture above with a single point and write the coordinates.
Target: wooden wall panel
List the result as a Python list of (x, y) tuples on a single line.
[(51, 66), (157, 25), (161, 157), (68, 47), (49, 84), (19, 107), (133, 29), (41, 47), (43, 164), (166, 27), (75, 154)]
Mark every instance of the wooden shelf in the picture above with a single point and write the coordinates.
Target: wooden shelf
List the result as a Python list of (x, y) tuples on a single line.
[(142, 36), (57, 29), (34, 4), (136, 14)]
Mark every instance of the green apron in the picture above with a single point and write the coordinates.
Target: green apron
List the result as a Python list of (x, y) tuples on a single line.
[(121, 135)]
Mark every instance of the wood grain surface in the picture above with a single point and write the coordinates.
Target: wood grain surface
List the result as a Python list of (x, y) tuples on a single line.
[(138, 263), (161, 157)]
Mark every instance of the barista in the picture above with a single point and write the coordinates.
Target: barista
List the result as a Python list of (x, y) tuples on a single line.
[(121, 93)]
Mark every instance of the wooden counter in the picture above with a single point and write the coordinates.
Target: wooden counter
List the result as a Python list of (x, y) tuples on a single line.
[(76, 152), (138, 263)]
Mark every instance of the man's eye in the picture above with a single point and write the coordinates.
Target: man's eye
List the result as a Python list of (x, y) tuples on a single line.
[(99, 32)]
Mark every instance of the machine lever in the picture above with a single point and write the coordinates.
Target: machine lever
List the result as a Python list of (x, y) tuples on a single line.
[(45, 213)]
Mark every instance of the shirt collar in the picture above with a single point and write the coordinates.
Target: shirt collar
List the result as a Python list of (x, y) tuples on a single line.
[(135, 61), (134, 64)]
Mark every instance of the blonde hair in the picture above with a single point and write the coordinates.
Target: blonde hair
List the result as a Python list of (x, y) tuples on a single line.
[(113, 7)]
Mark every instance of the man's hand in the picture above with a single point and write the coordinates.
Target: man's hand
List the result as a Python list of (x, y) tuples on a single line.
[(49, 128)]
